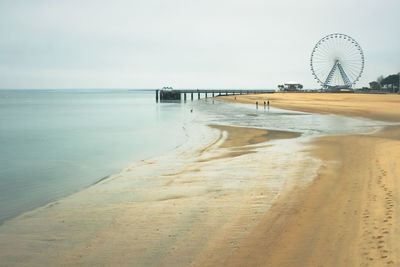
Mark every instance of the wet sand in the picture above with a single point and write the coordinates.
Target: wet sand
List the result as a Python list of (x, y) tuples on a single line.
[(349, 215), (174, 210), (231, 201), (371, 106)]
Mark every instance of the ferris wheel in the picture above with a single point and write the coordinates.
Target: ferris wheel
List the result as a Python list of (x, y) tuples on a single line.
[(337, 61)]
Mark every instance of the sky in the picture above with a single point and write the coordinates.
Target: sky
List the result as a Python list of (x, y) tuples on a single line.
[(49, 44)]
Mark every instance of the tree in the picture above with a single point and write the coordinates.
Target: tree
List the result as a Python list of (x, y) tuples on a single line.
[(391, 81), (375, 85)]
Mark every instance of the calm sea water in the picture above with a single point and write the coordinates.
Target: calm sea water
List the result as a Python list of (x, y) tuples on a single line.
[(56, 142)]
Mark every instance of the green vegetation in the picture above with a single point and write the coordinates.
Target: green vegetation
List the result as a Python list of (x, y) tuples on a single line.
[(375, 85), (388, 84)]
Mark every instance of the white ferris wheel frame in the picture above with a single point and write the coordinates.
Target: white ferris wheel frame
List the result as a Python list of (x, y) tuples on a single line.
[(337, 60)]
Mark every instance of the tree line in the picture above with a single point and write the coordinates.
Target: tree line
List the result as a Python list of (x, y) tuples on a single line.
[(389, 83)]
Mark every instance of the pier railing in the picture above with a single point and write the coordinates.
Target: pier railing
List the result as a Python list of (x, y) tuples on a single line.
[(177, 94)]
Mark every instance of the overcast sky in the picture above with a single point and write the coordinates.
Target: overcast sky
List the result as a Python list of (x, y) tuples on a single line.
[(186, 44)]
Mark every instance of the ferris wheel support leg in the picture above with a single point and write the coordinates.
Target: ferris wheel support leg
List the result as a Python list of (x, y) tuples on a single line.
[(330, 75), (345, 79)]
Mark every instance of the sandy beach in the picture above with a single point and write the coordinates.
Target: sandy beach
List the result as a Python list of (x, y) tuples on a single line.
[(223, 200), (348, 216), (372, 106), (173, 210)]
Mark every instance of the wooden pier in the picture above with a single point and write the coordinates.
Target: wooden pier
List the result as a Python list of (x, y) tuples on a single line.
[(166, 95)]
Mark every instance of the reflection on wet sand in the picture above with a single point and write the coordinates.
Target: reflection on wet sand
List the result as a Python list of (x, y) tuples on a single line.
[(174, 210)]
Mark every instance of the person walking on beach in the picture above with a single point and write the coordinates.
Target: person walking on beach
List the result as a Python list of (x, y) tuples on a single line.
[(268, 103)]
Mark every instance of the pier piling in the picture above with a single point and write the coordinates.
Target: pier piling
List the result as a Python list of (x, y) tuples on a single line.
[(174, 95)]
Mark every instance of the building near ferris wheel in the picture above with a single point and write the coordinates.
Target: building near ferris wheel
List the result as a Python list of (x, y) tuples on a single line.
[(337, 62), (290, 86)]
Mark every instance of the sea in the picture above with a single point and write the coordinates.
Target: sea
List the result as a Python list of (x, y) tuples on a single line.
[(54, 143)]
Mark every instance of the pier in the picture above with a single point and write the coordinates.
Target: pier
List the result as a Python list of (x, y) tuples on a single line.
[(163, 95)]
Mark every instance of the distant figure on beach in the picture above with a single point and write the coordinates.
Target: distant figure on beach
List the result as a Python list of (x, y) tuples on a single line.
[(268, 103)]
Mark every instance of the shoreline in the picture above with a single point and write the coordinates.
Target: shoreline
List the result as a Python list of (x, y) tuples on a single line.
[(206, 209), (348, 215), (49, 154), (373, 107), (200, 194)]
